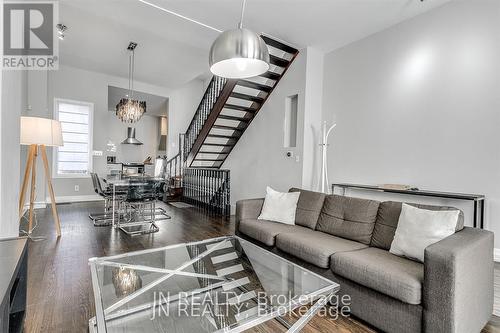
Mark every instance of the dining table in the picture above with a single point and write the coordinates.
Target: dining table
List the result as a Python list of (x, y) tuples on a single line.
[(122, 184)]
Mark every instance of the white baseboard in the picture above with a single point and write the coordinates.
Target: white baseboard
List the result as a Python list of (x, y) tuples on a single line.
[(496, 255), (77, 198), (36, 205), (62, 199)]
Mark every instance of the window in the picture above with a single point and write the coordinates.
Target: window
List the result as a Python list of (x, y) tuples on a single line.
[(74, 159)]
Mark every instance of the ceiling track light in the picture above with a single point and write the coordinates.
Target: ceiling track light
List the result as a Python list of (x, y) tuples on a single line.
[(61, 30)]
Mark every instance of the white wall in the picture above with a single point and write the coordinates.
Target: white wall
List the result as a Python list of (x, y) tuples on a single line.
[(259, 158), (419, 104), (182, 106), (13, 89), (313, 119), (87, 86)]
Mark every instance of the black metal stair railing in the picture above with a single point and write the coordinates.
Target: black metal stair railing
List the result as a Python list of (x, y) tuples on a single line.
[(172, 168), (208, 188), (212, 92)]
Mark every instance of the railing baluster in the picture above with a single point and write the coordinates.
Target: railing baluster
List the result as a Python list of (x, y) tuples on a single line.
[(208, 189)]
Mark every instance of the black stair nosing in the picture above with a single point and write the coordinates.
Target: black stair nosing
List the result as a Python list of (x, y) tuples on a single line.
[(246, 97), (229, 128), (280, 62), (254, 85), (222, 136), (213, 152), (217, 144), (222, 116), (239, 108), (271, 75), (204, 167), (279, 45), (207, 160)]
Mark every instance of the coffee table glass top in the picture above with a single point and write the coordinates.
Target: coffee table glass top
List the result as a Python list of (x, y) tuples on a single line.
[(224, 284)]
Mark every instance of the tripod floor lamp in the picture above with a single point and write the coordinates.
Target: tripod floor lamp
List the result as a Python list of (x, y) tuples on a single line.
[(38, 133)]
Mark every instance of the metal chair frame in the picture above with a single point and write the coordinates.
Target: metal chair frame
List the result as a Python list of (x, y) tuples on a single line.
[(103, 219), (139, 208)]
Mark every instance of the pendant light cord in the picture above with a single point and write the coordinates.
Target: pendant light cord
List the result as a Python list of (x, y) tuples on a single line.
[(240, 25), (131, 61), (129, 75), (132, 74)]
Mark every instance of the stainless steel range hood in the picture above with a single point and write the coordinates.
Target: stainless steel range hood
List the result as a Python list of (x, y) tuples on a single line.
[(131, 140)]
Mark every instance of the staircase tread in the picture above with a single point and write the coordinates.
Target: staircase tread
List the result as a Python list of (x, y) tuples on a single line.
[(271, 75), (208, 160), (222, 136), (254, 85), (274, 43), (232, 128), (217, 144), (222, 116), (212, 152), (204, 167), (247, 97), (280, 62), (239, 108)]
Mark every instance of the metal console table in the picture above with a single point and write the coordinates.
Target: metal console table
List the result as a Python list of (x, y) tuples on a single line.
[(477, 199)]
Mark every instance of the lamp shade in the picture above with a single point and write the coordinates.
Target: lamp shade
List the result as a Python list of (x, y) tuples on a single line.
[(41, 131), (238, 53)]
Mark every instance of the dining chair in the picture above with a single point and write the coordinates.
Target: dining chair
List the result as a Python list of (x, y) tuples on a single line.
[(139, 207), (105, 218)]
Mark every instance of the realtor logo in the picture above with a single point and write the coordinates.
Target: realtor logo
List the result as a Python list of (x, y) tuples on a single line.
[(29, 40)]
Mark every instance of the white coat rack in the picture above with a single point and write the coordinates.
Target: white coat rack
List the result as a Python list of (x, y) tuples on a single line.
[(325, 186)]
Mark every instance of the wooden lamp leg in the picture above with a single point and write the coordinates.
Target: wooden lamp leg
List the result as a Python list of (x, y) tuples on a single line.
[(27, 170), (51, 190), (33, 187)]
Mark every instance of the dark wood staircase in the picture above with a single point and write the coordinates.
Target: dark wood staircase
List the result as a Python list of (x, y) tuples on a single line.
[(226, 110), (229, 106)]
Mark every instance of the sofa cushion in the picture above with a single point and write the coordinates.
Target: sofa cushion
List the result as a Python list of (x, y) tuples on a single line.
[(382, 271), (308, 207), (265, 231), (388, 217), (313, 246), (279, 206), (347, 217)]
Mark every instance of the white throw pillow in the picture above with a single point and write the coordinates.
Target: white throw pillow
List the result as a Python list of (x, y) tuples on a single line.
[(419, 228), (279, 207)]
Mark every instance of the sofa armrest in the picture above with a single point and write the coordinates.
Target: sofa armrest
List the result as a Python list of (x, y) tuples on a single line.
[(458, 282), (247, 209)]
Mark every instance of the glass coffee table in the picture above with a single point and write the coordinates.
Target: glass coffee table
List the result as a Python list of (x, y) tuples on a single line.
[(224, 284)]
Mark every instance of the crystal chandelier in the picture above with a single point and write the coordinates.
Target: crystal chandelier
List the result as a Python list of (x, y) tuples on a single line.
[(126, 281), (130, 110)]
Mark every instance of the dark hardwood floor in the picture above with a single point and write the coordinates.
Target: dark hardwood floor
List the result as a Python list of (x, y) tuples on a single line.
[(60, 297)]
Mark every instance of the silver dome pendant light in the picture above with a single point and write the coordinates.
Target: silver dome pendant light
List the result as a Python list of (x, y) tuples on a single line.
[(239, 53)]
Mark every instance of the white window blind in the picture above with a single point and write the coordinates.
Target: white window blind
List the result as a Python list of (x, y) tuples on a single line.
[(73, 159)]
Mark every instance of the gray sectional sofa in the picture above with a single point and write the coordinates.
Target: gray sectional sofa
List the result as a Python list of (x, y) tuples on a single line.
[(348, 240)]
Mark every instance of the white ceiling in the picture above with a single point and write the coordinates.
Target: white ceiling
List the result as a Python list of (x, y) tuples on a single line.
[(173, 51)]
